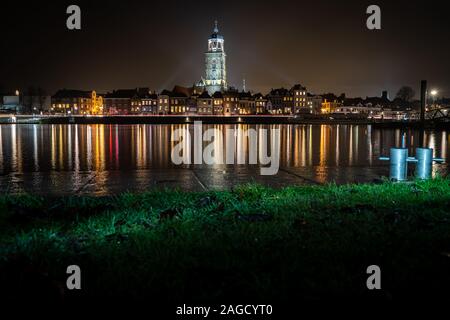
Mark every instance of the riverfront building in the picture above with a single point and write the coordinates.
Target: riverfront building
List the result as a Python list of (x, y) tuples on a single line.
[(77, 102)]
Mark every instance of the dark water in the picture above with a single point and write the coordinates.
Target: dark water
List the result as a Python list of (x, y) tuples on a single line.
[(102, 159)]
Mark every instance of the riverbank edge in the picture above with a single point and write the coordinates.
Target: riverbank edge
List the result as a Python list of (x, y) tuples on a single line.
[(308, 242), (223, 120)]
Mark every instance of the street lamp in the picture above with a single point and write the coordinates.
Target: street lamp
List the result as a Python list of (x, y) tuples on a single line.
[(433, 94)]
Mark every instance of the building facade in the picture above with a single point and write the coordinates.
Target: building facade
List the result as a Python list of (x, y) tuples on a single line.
[(205, 104), (300, 99), (144, 102), (260, 103), (281, 100), (330, 106), (119, 102), (230, 102), (77, 102), (314, 103), (217, 103)]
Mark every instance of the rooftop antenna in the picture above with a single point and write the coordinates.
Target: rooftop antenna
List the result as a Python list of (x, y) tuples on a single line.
[(216, 28), (243, 84)]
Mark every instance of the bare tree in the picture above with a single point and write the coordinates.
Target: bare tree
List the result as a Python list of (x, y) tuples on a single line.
[(28, 99), (406, 93), (41, 98)]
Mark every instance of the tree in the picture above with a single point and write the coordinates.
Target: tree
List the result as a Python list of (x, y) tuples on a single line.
[(406, 93), (41, 98)]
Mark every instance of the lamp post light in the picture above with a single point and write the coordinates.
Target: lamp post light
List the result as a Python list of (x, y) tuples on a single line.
[(433, 94)]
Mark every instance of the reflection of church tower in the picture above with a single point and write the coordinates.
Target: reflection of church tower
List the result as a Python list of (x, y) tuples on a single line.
[(216, 72)]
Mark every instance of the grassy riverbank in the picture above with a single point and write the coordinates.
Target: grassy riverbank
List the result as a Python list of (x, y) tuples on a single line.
[(252, 243)]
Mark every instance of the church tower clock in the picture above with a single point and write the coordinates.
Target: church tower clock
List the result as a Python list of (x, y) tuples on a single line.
[(216, 72)]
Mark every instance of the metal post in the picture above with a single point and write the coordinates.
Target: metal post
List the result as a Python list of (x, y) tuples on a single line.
[(423, 105), (424, 158), (423, 100), (399, 166), (424, 165)]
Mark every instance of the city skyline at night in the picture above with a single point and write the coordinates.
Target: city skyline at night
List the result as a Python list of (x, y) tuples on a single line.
[(241, 158), (325, 46)]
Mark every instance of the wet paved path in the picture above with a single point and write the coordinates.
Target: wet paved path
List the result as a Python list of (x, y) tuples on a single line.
[(188, 179)]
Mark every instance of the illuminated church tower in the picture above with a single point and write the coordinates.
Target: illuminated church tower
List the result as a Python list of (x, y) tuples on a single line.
[(216, 71)]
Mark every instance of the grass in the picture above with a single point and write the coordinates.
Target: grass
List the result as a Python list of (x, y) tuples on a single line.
[(298, 243)]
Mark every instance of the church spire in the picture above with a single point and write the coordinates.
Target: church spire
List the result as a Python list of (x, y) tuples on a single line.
[(216, 28)]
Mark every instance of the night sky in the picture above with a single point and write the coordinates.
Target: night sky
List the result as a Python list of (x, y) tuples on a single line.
[(323, 45)]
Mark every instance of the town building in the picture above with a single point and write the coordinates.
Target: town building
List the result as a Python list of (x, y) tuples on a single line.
[(300, 99), (260, 104), (191, 105), (119, 102), (178, 102), (205, 104), (230, 102), (76, 102), (144, 102), (164, 102), (281, 100), (217, 103), (314, 103), (246, 103), (330, 106)]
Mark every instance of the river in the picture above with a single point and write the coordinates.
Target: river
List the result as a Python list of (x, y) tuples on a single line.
[(110, 159)]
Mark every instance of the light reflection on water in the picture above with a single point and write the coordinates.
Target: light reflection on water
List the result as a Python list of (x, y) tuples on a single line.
[(106, 147), (97, 148)]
